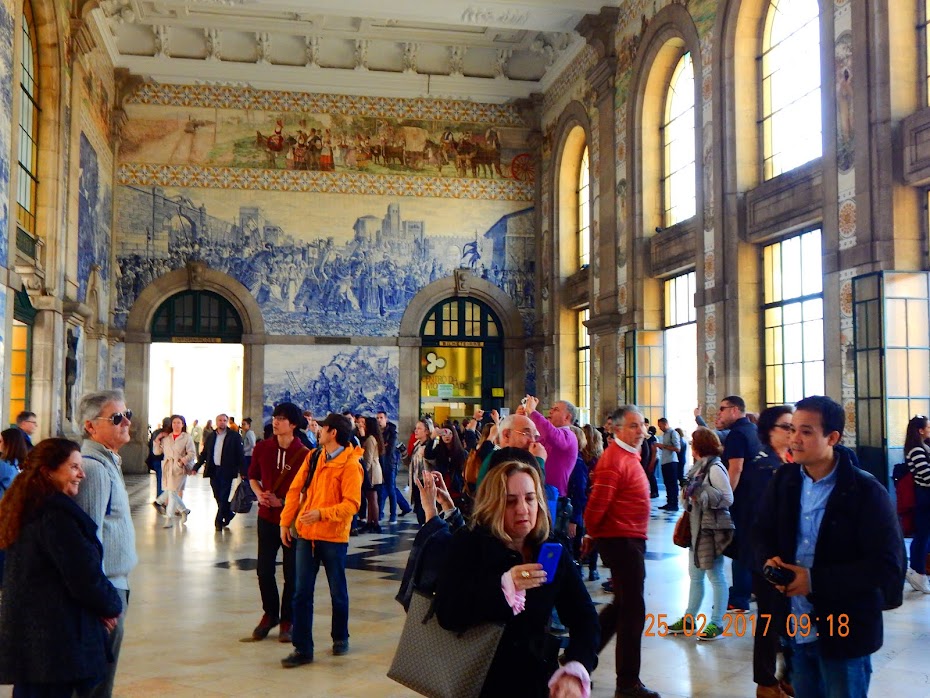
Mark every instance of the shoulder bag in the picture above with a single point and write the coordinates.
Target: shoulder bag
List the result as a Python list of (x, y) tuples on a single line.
[(311, 471), (439, 663), (681, 536)]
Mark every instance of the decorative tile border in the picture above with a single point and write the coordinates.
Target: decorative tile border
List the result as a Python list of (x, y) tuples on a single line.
[(324, 182), (243, 97), (575, 71)]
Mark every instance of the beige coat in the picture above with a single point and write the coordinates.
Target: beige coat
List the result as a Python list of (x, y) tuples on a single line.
[(179, 455), (371, 461)]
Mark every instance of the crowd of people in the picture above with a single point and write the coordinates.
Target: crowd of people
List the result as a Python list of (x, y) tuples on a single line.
[(511, 511)]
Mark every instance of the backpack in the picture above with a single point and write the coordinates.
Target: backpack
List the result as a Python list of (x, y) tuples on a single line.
[(906, 496)]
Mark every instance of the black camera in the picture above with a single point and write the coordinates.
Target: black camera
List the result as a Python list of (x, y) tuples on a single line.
[(780, 576)]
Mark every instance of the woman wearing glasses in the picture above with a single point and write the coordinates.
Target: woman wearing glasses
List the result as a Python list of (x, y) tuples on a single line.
[(917, 458), (177, 447)]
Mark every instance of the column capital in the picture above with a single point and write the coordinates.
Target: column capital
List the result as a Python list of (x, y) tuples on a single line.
[(603, 77), (600, 31)]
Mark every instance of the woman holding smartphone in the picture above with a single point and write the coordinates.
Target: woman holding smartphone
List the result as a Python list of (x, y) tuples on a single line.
[(492, 575), (447, 453)]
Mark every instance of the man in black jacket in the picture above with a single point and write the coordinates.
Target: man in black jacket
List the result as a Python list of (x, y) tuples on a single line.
[(834, 527), (224, 458)]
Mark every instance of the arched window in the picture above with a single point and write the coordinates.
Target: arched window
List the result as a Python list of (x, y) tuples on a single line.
[(193, 315), (791, 108), (584, 212), (678, 143), (27, 182)]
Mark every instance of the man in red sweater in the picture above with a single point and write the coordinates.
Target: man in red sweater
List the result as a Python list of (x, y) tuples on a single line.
[(275, 462), (616, 519)]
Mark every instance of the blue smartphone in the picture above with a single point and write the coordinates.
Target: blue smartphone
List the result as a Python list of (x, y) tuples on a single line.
[(549, 555)]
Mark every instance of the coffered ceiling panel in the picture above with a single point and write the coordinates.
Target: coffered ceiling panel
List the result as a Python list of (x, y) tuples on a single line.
[(488, 51)]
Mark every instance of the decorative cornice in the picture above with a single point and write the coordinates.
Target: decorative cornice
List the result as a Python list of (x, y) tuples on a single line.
[(82, 39), (599, 30)]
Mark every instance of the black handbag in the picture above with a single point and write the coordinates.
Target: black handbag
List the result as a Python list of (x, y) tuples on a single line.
[(243, 498), (439, 663)]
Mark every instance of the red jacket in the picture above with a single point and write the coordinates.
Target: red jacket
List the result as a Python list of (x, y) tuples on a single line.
[(619, 503)]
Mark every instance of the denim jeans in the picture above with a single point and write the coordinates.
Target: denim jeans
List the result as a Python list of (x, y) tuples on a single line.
[(718, 582), (310, 555), (670, 480), (742, 585), (389, 491), (920, 544), (814, 676), (156, 468)]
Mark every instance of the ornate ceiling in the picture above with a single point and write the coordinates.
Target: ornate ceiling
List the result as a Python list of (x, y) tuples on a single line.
[(483, 51)]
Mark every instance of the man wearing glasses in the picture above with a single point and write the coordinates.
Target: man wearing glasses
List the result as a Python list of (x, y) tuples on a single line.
[(103, 496), (27, 423), (739, 450), (275, 462)]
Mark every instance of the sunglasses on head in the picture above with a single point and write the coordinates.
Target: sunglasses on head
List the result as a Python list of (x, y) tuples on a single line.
[(117, 417)]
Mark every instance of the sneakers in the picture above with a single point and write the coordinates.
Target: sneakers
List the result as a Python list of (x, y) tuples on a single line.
[(736, 609), (284, 631), (264, 627), (184, 515), (340, 647), (168, 523), (593, 576), (161, 508), (295, 659), (711, 632), (637, 690), (917, 580), (681, 627)]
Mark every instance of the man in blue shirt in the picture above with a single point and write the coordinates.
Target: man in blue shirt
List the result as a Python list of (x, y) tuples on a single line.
[(833, 526)]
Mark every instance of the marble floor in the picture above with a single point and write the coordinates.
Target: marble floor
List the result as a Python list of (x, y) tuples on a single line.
[(194, 595)]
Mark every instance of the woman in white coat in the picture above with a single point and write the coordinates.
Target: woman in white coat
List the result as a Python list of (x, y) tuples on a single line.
[(179, 458)]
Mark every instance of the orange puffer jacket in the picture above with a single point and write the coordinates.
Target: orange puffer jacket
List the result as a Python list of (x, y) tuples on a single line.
[(336, 490)]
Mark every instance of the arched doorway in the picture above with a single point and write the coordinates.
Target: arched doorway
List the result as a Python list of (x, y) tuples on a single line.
[(461, 359), (219, 299), (463, 285), (196, 341)]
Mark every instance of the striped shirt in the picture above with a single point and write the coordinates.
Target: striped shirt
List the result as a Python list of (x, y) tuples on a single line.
[(918, 462)]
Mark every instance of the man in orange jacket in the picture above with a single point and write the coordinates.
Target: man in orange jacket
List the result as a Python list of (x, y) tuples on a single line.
[(322, 499)]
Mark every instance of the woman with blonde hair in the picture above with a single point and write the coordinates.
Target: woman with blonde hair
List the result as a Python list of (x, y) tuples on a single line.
[(177, 448), (491, 575)]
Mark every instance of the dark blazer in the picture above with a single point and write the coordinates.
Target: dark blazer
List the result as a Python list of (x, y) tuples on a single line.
[(232, 459), (428, 556), (469, 593), (859, 556), (54, 595)]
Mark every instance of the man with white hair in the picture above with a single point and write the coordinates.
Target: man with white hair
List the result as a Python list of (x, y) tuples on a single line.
[(516, 431), (556, 436), (103, 496)]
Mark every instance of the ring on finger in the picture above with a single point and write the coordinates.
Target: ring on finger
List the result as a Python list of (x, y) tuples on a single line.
[(525, 574)]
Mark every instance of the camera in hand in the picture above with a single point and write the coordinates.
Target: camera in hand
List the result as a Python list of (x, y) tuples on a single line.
[(780, 576)]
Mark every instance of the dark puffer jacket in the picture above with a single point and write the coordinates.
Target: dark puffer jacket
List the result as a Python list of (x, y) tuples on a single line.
[(54, 595)]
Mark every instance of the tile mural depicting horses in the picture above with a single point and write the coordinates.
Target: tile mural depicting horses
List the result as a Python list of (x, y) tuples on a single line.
[(324, 142), (332, 379), (322, 264)]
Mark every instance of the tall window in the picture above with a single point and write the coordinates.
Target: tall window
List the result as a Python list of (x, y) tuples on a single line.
[(681, 368), (584, 368), (27, 181), (20, 364), (924, 21), (584, 212), (678, 142), (791, 115), (793, 312)]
